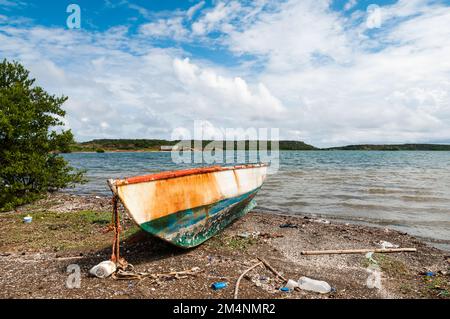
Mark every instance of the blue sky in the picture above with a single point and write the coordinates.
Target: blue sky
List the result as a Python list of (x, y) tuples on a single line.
[(326, 72), (101, 15)]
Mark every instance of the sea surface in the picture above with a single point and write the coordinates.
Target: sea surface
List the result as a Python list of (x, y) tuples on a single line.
[(407, 191)]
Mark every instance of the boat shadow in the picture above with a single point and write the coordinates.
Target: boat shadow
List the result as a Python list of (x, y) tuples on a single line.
[(143, 248)]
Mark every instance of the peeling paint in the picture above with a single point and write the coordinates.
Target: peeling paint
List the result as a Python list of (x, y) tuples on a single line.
[(189, 206)]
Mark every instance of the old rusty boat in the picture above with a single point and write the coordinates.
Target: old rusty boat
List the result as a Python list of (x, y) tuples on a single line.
[(187, 207)]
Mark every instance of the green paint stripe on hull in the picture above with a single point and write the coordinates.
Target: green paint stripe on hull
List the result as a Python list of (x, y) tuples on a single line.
[(192, 227)]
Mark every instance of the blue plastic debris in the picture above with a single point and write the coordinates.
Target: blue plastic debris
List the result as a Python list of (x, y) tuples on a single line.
[(219, 285), (284, 289), (430, 274)]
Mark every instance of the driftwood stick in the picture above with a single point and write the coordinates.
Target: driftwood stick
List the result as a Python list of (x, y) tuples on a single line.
[(69, 258), (357, 251), (272, 269), (236, 289)]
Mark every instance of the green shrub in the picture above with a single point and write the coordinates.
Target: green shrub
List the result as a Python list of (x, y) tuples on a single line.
[(31, 137)]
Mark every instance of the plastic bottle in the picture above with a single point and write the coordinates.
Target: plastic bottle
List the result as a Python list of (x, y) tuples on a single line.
[(309, 284), (27, 219), (103, 269), (291, 284)]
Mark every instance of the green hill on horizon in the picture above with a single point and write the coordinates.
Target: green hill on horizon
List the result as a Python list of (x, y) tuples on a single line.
[(102, 145), (392, 147)]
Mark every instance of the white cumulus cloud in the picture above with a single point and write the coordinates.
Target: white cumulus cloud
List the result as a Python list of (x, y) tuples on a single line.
[(317, 74)]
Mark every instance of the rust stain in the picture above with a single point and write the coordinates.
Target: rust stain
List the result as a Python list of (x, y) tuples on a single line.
[(174, 191), (180, 173), (236, 179), (176, 194)]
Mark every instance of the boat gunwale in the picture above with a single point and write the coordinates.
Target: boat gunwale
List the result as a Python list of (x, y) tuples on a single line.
[(180, 173)]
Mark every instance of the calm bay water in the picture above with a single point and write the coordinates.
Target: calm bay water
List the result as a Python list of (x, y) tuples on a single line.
[(408, 191)]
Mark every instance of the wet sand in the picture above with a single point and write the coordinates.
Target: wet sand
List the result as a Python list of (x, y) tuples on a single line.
[(68, 229)]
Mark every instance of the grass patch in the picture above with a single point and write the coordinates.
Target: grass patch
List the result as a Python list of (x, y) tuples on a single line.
[(231, 243), (131, 230), (240, 243), (438, 286), (100, 218), (389, 265), (52, 231)]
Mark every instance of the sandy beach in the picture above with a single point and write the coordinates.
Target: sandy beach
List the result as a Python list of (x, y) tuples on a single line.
[(69, 229)]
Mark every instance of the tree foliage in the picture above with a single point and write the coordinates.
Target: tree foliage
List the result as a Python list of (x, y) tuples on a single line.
[(31, 139)]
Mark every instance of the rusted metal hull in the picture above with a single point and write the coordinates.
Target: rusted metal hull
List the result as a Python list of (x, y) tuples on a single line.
[(188, 207)]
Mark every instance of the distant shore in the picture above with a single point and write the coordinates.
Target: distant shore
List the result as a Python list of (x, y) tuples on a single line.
[(151, 145), (317, 150), (68, 229), (119, 151)]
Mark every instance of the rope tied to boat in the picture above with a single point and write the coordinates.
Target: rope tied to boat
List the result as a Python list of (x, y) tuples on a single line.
[(121, 263), (125, 270)]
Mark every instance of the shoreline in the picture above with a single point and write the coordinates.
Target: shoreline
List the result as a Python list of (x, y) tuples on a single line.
[(435, 242), (70, 226)]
